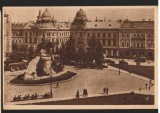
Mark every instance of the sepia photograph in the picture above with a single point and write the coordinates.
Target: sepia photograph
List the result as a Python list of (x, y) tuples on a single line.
[(80, 57)]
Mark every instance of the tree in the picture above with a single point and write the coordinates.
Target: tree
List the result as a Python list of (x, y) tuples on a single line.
[(62, 53), (92, 43), (99, 54), (15, 56), (31, 52), (70, 50)]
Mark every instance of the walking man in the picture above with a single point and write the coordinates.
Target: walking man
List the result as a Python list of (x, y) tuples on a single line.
[(104, 90), (57, 84), (107, 89), (77, 94)]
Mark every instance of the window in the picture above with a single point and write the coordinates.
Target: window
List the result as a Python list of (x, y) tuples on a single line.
[(141, 44), (103, 42), (114, 35), (122, 44), (137, 44), (80, 34), (127, 35), (26, 39), (109, 42), (26, 33), (114, 43), (127, 44), (88, 34), (104, 34), (149, 44), (98, 34), (20, 41), (149, 34), (134, 44), (30, 40), (30, 33), (109, 34), (122, 34)]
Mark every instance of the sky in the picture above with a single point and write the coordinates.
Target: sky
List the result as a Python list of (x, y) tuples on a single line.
[(67, 13)]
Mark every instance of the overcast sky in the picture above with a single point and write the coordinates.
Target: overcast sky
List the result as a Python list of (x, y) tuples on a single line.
[(25, 14)]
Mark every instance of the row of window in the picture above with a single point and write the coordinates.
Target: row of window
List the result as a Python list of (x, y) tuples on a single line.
[(48, 34), (35, 40), (138, 44), (105, 42), (136, 34), (81, 34)]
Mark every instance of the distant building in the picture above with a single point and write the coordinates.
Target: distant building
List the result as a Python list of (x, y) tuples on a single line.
[(118, 38), (106, 32), (31, 33), (7, 34), (137, 39)]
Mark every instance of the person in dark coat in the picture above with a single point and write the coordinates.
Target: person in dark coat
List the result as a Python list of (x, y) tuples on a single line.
[(85, 92), (57, 84), (104, 90), (77, 94), (107, 89)]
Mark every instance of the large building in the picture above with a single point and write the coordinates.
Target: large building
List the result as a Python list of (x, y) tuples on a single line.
[(31, 33), (121, 38), (7, 34), (137, 38)]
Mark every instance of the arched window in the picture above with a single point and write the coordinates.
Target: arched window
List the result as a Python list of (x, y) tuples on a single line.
[(137, 44), (141, 44), (123, 44), (127, 44), (134, 44)]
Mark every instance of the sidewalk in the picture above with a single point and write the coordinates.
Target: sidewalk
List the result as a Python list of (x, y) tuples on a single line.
[(130, 74), (145, 92)]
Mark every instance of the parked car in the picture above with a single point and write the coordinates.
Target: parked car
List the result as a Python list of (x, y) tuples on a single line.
[(122, 62), (112, 62), (141, 59)]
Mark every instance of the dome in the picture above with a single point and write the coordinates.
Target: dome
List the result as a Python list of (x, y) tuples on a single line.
[(46, 14), (81, 14)]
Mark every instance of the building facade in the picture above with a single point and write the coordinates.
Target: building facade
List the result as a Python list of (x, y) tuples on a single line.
[(31, 33), (121, 38), (137, 38), (7, 35), (106, 32)]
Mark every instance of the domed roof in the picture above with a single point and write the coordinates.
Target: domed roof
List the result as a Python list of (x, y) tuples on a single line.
[(81, 14), (46, 13)]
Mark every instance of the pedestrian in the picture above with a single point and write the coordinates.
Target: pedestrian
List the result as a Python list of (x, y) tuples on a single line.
[(146, 85), (150, 81), (149, 86), (57, 84), (77, 94), (85, 92), (14, 98), (107, 89), (104, 90)]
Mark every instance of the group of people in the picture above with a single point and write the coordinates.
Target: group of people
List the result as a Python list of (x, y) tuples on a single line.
[(105, 90), (47, 95), (148, 86), (85, 93), (26, 97)]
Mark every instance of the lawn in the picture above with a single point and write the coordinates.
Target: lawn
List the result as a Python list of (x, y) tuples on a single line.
[(20, 80), (119, 99), (146, 71)]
